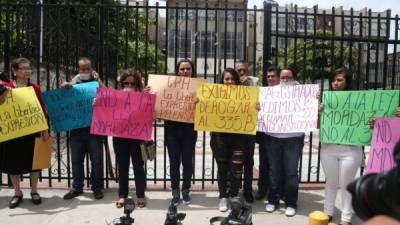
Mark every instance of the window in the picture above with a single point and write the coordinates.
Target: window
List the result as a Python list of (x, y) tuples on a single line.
[(181, 45), (203, 46), (231, 46)]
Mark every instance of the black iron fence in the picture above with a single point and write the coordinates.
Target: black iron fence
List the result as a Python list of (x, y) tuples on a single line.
[(118, 35)]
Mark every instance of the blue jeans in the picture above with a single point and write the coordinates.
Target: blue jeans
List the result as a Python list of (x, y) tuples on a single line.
[(248, 164), (82, 141), (181, 142), (125, 150), (283, 159)]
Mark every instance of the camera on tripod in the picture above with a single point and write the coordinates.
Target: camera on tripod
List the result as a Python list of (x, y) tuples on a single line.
[(378, 194), (241, 214), (129, 206), (173, 217)]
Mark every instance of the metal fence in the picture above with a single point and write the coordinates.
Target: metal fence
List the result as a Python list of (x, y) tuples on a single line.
[(116, 35)]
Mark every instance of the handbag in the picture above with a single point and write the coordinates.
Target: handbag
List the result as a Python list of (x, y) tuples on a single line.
[(148, 150)]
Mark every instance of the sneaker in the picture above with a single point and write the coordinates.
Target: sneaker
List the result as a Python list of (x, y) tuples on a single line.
[(175, 197), (223, 204), (270, 208), (98, 194), (290, 211), (72, 194), (186, 197), (259, 195)]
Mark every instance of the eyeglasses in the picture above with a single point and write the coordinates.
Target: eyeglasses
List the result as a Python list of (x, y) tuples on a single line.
[(126, 83), (240, 70)]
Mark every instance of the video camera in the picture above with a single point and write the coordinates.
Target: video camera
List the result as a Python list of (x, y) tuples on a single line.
[(378, 194), (129, 206), (173, 217), (241, 214)]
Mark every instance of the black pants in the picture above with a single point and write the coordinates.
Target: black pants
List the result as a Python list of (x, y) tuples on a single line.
[(248, 164), (181, 141), (228, 150), (126, 150)]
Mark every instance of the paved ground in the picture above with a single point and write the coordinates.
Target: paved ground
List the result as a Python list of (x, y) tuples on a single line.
[(85, 210)]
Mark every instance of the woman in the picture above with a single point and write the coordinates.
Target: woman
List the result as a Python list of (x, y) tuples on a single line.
[(129, 149), (339, 162), (283, 153), (17, 154), (228, 150), (181, 141)]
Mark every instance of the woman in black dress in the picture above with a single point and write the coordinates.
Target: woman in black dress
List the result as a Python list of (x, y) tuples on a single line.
[(17, 154)]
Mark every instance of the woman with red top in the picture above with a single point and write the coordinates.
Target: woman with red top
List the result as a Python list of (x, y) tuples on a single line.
[(17, 154)]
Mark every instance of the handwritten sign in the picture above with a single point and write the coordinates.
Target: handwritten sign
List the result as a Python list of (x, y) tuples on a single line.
[(347, 113), (175, 97), (385, 135), (21, 114), (123, 114), (70, 108), (226, 108), (288, 109)]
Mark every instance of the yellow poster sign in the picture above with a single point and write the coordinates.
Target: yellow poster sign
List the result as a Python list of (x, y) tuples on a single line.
[(226, 108), (21, 114), (42, 154)]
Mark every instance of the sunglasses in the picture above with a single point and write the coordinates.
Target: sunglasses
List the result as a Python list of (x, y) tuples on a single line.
[(126, 83)]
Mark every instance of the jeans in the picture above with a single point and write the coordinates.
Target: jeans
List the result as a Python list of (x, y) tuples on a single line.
[(126, 150), (340, 164), (228, 150), (248, 164), (284, 153), (82, 141), (181, 142)]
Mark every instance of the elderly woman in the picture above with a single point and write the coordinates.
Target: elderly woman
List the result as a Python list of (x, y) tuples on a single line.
[(17, 154)]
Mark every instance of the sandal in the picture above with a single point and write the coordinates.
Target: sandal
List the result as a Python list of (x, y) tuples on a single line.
[(15, 201), (36, 199), (141, 202), (120, 203)]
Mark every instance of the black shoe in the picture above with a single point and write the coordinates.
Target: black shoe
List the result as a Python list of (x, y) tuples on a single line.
[(72, 194), (98, 194), (36, 199), (175, 197), (248, 198), (259, 195), (15, 201)]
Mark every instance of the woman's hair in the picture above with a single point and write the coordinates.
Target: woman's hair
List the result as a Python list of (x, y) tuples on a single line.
[(17, 62), (347, 76), (136, 76), (178, 64), (291, 70), (235, 75)]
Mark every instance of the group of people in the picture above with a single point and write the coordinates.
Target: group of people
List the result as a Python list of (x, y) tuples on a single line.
[(234, 153)]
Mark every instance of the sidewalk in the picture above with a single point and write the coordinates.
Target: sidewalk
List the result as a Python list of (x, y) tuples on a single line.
[(84, 210)]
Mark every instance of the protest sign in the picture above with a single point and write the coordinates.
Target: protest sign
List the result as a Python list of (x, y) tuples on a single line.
[(123, 114), (288, 108), (385, 135), (226, 108), (175, 97), (347, 113), (70, 108), (42, 154), (21, 114)]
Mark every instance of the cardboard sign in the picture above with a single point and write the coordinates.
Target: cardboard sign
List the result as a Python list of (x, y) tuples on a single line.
[(347, 113), (385, 136), (288, 109), (21, 114), (123, 114), (42, 154), (175, 97), (226, 108), (70, 108)]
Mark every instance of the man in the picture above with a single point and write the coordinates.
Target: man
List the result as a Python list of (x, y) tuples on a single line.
[(243, 69), (272, 77), (82, 141)]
